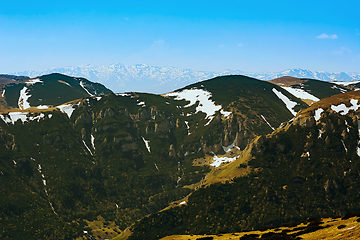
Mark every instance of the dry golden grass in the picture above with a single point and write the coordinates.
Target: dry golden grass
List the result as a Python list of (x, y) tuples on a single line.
[(226, 172), (326, 103), (287, 81), (101, 229), (35, 109), (330, 232)]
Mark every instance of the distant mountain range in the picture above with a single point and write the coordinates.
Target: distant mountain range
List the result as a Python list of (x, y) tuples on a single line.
[(145, 78)]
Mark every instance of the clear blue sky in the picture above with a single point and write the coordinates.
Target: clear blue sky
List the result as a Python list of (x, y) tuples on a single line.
[(201, 35)]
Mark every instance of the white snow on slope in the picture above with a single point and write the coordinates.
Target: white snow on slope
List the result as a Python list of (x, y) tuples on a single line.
[(219, 160), (344, 145), (156, 167), (300, 93), (187, 127), (3, 93), (289, 104), (267, 122), (22, 102), (93, 141), (42, 107), (226, 114), (68, 109), (206, 105), (341, 90), (87, 147), (83, 86), (12, 117), (33, 81), (346, 83), (343, 109), (183, 202), (318, 113), (123, 94), (146, 144)]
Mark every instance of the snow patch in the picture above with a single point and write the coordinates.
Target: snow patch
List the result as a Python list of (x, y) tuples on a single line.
[(68, 109), (3, 93), (42, 107), (156, 167), (349, 228), (226, 114), (187, 127), (12, 117), (318, 113), (124, 94), (289, 104), (87, 148), (320, 133), (300, 93), (343, 109), (93, 141), (267, 122), (33, 81), (182, 203), (341, 90), (83, 86), (194, 95), (346, 83), (22, 102), (147, 144), (219, 160), (140, 103), (344, 145), (228, 148)]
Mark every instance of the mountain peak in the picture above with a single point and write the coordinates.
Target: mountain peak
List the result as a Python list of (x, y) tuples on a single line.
[(146, 78)]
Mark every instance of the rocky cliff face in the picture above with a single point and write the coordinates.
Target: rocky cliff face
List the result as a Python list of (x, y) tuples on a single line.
[(308, 167), (124, 156)]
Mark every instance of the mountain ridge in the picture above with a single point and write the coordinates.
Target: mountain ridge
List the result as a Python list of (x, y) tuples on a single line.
[(116, 158), (145, 78)]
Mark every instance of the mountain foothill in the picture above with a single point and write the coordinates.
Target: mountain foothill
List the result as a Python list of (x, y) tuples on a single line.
[(222, 156)]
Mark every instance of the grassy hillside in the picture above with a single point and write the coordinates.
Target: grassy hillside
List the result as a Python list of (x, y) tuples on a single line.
[(52, 90), (313, 229), (121, 157), (306, 169)]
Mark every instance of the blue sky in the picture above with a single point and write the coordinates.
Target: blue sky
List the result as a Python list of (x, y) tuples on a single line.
[(201, 35)]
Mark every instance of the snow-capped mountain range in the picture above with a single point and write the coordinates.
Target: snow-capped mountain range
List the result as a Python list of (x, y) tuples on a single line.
[(146, 78)]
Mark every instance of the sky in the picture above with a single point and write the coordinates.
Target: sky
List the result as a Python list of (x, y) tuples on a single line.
[(251, 36)]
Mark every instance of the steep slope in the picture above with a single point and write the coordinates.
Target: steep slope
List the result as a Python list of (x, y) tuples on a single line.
[(308, 167), (48, 90), (309, 90), (352, 85), (124, 156), (334, 228)]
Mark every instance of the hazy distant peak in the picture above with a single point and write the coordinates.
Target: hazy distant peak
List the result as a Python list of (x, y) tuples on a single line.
[(145, 78)]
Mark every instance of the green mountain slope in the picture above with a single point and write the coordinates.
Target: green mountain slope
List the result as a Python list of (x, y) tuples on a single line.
[(123, 156), (309, 90), (49, 90), (308, 168)]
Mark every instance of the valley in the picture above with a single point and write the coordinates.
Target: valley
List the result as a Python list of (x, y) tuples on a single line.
[(223, 155)]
